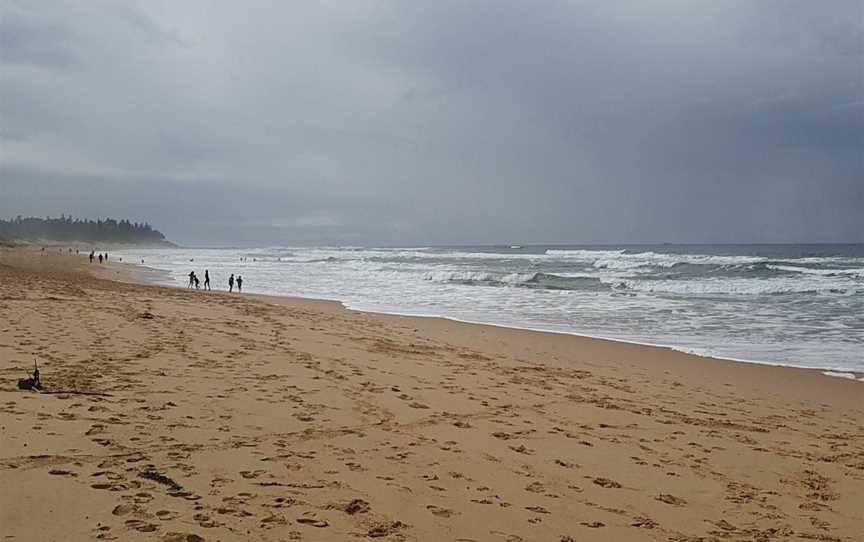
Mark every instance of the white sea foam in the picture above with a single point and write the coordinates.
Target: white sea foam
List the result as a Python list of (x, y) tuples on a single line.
[(855, 273), (589, 255), (849, 376), (653, 259), (720, 304), (478, 276), (735, 286)]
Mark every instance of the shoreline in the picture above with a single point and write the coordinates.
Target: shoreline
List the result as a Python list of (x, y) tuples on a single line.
[(177, 416), (837, 372)]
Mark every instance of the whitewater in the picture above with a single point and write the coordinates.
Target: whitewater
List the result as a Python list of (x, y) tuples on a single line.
[(797, 305)]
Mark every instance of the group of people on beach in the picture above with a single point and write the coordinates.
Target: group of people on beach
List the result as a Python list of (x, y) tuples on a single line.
[(195, 282), (100, 256)]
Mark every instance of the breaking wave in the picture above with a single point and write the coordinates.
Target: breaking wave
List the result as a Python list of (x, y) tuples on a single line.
[(548, 281)]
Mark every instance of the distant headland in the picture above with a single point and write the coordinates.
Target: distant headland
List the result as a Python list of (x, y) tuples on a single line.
[(69, 229)]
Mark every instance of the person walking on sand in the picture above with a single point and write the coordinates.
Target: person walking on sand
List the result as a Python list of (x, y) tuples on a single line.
[(100, 258), (91, 256), (206, 279), (231, 283), (191, 279), (197, 282), (239, 284)]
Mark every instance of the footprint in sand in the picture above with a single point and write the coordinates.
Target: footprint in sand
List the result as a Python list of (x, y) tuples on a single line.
[(60, 472), (182, 537), (606, 482), (110, 487), (204, 521), (108, 474), (166, 515), (142, 498), (185, 495), (643, 522), (141, 526), (671, 499), (440, 512), (95, 429), (320, 523), (521, 449), (124, 509), (356, 506), (385, 529), (270, 521)]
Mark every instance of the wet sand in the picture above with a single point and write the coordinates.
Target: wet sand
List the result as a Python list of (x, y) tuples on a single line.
[(185, 415)]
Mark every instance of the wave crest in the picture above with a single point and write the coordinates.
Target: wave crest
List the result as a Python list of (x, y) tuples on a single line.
[(546, 281)]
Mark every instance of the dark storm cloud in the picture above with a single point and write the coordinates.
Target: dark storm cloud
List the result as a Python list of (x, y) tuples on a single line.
[(440, 122)]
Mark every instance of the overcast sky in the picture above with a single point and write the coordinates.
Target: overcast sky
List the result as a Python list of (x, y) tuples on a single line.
[(421, 122)]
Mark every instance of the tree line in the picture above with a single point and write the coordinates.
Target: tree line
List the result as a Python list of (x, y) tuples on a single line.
[(66, 228)]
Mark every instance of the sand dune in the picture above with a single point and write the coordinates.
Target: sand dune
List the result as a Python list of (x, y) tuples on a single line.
[(186, 416)]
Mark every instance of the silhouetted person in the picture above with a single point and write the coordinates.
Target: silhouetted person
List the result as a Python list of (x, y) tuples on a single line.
[(191, 279), (231, 283), (239, 284), (91, 256), (100, 258), (106, 257), (206, 279), (197, 282)]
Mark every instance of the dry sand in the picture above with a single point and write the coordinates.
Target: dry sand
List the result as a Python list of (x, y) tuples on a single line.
[(229, 417)]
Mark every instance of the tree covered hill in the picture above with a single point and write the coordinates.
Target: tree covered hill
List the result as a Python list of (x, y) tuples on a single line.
[(75, 229)]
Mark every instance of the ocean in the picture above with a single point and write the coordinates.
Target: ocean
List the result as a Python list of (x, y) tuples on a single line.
[(797, 305)]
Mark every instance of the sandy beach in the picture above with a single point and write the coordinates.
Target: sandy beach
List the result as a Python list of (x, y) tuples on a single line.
[(182, 415)]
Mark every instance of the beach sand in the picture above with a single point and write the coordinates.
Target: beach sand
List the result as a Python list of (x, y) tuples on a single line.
[(210, 416)]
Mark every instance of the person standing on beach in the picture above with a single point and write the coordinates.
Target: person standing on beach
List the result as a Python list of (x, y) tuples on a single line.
[(91, 256), (231, 283), (197, 282), (206, 279), (191, 279), (239, 284), (100, 258)]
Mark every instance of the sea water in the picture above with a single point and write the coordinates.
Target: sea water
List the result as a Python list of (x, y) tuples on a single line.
[(799, 305)]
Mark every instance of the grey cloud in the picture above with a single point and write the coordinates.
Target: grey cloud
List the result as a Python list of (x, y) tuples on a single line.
[(441, 122), (29, 41)]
